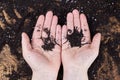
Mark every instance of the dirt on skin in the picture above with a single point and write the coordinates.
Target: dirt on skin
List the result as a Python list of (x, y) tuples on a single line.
[(17, 16), (49, 42), (75, 37)]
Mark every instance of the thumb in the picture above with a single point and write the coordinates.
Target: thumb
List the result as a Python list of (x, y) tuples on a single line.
[(26, 46), (96, 41)]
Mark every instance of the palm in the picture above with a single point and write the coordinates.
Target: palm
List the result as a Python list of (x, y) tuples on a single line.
[(83, 55), (78, 56), (37, 59), (43, 53)]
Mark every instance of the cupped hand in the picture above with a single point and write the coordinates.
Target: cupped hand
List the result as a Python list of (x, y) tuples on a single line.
[(78, 51), (43, 52)]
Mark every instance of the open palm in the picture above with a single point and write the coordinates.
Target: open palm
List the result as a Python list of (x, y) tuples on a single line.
[(80, 54), (43, 53)]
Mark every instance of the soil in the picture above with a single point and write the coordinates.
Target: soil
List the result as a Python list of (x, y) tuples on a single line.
[(17, 16), (75, 37), (49, 42)]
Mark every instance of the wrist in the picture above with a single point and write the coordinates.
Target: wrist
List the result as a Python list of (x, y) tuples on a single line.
[(75, 74), (44, 76)]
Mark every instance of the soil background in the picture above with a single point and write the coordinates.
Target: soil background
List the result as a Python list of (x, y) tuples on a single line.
[(17, 16)]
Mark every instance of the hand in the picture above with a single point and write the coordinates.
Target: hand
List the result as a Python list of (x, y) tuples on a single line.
[(78, 52), (43, 53)]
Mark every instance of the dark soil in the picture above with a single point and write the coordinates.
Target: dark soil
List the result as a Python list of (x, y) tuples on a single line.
[(49, 42), (75, 37), (17, 16)]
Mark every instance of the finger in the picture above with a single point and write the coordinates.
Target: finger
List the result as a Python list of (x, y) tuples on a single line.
[(70, 23), (53, 27), (85, 29), (64, 34), (37, 33), (47, 24), (38, 28), (76, 20), (48, 20), (96, 42), (65, 42), (58, 35), (26, 46)]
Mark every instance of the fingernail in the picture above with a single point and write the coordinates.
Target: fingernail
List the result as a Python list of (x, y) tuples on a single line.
[(23, 34)]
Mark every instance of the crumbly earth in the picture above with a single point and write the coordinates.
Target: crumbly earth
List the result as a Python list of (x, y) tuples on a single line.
[(49, 42), (75, 37), (17, 16)]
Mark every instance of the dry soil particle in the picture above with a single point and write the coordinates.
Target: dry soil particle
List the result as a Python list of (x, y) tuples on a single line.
[(8, 63)]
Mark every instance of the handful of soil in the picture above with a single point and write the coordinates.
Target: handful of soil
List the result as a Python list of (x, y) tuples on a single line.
[(75, 37), (49, 42)]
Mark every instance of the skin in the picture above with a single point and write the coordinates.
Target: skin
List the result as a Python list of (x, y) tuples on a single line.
[(44, 63), (77, 60)]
